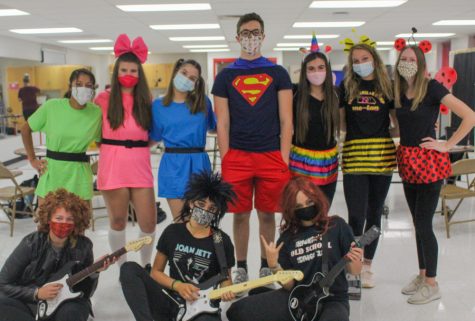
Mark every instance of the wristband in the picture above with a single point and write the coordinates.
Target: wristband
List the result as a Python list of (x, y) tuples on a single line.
[(173, 284), (276, 268)]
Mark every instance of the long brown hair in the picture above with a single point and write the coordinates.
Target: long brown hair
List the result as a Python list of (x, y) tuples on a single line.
[(420, 81), (353, 80), (289, 202), (330, 113), (195, 100), (142, 110)]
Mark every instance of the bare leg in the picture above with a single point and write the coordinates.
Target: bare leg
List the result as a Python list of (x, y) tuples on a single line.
[(266, 228), (241, 234), (175, 204)]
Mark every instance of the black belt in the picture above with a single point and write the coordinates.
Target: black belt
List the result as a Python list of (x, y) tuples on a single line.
[(126, 143), (184, 150), (70, 157)]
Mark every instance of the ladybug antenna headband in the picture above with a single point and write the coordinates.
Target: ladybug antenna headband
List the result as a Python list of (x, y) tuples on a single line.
[(424, 45)]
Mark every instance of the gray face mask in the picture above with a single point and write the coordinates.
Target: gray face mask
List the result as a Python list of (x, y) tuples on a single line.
[(202, 216)]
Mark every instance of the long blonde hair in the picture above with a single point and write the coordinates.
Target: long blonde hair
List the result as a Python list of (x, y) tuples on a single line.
[(352, 80), (420, 80)]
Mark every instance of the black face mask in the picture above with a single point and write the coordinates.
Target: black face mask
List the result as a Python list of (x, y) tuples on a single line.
[(306, 213)]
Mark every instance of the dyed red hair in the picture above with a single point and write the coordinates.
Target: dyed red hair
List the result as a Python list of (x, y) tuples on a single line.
[(289, 202)]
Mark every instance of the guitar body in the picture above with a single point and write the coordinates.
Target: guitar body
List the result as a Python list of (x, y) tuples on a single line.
[(190, 310), (47, 307), (305, 298)]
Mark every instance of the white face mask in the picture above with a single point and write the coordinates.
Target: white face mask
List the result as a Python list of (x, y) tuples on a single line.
[(82, 94), (251, 45), (407, 69)]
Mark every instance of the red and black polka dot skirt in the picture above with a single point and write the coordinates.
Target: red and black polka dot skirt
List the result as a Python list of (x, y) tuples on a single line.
[(418, 165)]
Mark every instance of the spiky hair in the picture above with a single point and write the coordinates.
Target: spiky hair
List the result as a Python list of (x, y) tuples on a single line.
[(208, 185)]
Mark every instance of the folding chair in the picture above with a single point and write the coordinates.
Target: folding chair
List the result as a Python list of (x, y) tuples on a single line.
[(10, 194), (456, 192)]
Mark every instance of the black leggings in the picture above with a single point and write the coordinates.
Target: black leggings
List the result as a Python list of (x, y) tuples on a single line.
[(273, 306), (16, 310), (146, 298), (329, 191), (422, 200), (365, 195)]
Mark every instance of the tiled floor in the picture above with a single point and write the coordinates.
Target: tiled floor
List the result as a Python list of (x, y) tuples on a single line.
[(395, 263)]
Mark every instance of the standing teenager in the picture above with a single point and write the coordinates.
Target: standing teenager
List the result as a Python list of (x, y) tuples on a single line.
[(423, 161), (181, 119), (369, 154), (125, 173), (253, 103)]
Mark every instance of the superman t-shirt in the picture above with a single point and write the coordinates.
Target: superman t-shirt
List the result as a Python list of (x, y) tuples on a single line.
[(252, 95)]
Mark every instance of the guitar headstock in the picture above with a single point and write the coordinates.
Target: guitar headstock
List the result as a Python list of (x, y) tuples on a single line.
[(289, 275), (137, 244), (369, 236)]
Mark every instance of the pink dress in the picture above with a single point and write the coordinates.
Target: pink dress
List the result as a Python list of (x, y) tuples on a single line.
[(120, 166)]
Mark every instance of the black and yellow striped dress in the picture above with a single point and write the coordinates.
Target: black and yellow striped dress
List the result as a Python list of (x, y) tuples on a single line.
[(368, 148)]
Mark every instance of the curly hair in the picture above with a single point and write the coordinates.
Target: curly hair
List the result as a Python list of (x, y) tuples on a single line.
[(207, 185), (72, 203), (289, 201)]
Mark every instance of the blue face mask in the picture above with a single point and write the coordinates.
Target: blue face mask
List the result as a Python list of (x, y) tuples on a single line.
[(363, 70), (182, 83)]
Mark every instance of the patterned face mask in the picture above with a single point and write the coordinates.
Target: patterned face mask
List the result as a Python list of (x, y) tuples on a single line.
[(407, 69), (202, 216), (251, 45)]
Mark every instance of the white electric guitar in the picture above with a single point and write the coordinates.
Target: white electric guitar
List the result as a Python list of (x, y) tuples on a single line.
[(189, 310), (47, 307)]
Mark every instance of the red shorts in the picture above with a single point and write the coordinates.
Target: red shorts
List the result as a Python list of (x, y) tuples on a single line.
[(262, 172)]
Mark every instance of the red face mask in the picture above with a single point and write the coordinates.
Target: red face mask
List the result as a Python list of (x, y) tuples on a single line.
[(61, 230), (128, 81)]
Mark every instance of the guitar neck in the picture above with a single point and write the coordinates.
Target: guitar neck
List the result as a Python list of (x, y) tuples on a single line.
[(241, 287), (328, 280), (81, 275)]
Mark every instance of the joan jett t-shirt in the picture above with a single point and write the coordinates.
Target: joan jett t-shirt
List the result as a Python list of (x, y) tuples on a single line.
[(304, 251), (367, 116), (190, 259)]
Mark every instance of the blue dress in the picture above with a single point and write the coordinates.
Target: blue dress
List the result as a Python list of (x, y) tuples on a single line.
[(177, 127)]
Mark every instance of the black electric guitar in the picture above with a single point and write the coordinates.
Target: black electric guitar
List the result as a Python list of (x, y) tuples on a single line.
[(47, 307), (189, 310), (305, 298)]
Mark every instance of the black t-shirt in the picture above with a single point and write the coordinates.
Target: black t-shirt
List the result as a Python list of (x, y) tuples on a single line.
[(420, 123), (303, 251), (367, 116), (253, 105), (190, 259), (316, 138)]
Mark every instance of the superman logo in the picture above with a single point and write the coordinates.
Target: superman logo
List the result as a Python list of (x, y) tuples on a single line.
[(252, 87)]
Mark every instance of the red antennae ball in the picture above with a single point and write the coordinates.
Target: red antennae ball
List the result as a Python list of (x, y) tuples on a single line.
[(399, 44), (425, 46)]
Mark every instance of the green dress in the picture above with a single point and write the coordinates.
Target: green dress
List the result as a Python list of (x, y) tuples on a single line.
[(67, 130)]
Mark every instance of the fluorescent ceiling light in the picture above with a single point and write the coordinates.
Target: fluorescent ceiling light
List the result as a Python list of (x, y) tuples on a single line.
[(165, 7), (310, 36), (212, 38), (289, 49), (209, 50), (454, 23), (425, 35), (384, 48), (186, 26), (85, 41), (101, 48), (357, 4), (328, 24), (296, 44), (204, 46), (45, 30), (384, 43), (12, 12)]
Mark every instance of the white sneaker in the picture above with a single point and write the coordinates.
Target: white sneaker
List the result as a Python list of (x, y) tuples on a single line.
[(265, 271), (412, 286), (367, 281), (240, 276), (425, 294)]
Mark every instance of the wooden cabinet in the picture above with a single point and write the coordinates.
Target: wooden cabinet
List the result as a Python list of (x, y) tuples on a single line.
[(49, 77)]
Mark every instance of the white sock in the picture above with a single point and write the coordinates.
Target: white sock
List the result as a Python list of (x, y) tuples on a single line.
[(146, 250), (116, 241)]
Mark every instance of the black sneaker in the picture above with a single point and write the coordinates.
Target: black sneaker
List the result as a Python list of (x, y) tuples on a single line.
[(161, 214)]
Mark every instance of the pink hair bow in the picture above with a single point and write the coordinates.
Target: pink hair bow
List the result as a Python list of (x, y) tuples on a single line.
[(138, 47)]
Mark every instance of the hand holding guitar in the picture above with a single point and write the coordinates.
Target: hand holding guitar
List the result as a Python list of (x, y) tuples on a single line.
[(355, 254), (187, 291), (228, 296), (107, 262), (49, 291), (272, 251)]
